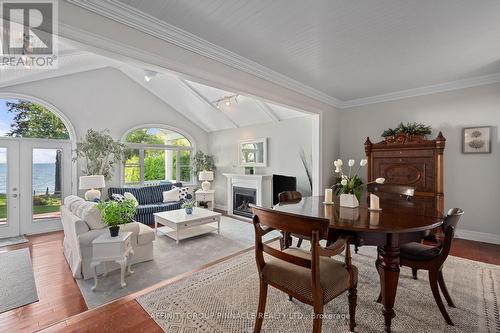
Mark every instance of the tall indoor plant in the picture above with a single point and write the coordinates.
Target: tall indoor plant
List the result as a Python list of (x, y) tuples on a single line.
[(99, 153), (114, 213)]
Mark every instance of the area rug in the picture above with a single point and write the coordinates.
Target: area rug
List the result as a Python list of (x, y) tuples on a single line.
[(12, 241), (171, 259), (17, 282), (224, 297)]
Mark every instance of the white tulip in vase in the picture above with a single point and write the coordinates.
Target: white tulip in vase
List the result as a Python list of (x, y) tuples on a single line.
[(348, 186)]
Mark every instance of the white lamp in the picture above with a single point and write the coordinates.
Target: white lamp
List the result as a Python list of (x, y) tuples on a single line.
[(92, 183), (206, 176)]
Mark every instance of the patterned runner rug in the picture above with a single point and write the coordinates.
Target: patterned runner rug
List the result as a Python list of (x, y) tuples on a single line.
[(224, 298)]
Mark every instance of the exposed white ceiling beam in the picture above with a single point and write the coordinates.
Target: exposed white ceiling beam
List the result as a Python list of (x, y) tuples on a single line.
[(206, 101), (199, 122), (49, 74), (267, 110)]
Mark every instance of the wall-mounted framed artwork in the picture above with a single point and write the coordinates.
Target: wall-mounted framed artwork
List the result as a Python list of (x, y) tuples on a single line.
[(476, 140)]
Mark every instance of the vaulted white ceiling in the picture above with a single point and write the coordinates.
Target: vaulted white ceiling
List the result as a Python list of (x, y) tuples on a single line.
[(343, 48), (193, 100)]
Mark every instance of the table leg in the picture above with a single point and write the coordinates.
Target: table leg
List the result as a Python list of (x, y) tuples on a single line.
[(177, 236), (156, 227), (122, 263), (388, 268), (129, 262), (218, 226)]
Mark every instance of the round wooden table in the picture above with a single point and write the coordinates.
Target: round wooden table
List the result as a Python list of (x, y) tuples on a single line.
[(398, 222)]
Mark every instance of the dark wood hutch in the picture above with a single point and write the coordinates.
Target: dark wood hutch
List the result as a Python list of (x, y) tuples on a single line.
[(411, 161)]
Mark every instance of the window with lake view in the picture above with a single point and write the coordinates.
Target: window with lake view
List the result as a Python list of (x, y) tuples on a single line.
[(22, 119)]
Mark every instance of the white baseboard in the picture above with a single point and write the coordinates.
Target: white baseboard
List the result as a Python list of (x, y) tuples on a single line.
[(478, 236)]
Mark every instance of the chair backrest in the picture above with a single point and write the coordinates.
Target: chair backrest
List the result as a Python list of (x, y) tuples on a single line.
[(316, 228), (398, 190), (452, 217), (289, 196), (449, 225)]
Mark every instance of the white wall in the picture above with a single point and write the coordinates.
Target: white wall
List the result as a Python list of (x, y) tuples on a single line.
[(330, 145), (472, 182), (107, 98), (285, 140)]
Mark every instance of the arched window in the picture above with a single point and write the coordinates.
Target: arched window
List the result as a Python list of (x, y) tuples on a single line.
[(156, 154), (27, 119)]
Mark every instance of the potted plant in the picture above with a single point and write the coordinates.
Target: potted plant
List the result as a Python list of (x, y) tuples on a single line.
[(99, 153), (188, 205), (406, 133), (114, 213), (349, 186)]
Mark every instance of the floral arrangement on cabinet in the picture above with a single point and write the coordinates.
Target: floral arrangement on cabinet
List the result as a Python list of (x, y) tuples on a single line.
[(349, 186)]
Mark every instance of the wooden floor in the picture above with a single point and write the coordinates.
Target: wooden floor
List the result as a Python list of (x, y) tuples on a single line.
[(58, 292), (61, 307)]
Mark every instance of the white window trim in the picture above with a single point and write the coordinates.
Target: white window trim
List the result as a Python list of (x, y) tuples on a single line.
[(141, 147)]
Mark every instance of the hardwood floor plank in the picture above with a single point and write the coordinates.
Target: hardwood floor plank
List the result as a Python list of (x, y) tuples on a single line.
[(62, 308)]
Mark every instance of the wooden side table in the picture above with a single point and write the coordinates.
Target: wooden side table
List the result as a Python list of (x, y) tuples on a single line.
[(118, 249), (209, 196)]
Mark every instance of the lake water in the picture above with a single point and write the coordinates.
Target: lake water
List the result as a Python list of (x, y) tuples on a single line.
[(43, 177)]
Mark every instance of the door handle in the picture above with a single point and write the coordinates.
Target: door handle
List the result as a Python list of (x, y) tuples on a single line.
[(14, 195)]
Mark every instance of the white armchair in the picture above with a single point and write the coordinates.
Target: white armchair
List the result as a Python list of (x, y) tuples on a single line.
[(82, 224)]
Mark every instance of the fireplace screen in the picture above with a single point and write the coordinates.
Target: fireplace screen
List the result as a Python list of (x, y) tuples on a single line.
[(242, 198)]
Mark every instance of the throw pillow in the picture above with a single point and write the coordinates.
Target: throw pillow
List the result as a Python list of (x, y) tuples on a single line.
[(172, 195), (117, 197), (132, 197), (183, 192), (91, 215)]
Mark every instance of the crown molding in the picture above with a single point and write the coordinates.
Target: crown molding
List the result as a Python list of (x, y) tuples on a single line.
[(146, 23), (437, 88)]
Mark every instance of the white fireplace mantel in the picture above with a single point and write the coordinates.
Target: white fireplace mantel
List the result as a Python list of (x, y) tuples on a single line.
[(261, 183)]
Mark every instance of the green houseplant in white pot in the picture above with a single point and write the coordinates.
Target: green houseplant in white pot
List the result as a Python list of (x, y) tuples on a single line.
[(188, 205), (114, 213), (349, 186)]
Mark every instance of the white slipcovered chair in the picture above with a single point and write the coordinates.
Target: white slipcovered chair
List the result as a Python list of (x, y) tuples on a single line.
[(82, 223)]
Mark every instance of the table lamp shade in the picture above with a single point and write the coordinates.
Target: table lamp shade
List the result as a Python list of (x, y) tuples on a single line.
[(92, 182), (206, 175)]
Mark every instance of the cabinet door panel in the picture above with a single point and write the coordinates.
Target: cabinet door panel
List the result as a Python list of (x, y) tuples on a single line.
[(418, 172)]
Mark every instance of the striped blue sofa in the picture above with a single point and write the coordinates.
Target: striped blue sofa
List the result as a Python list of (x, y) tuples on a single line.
[(150, 200)]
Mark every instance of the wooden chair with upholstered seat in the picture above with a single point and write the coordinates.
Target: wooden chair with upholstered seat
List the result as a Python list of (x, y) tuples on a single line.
[(405, 192), (396, 192), (289, 197), (309, 276), (431, 258)]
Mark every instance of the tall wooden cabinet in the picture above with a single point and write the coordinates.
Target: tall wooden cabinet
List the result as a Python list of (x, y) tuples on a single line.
[(412, 161)]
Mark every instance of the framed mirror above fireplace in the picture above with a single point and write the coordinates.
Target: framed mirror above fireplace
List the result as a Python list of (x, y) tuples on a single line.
[(253, 153)]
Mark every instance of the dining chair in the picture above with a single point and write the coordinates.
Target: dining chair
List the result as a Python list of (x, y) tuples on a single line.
[(406, 192), (289, 197), (312, 277), (396, 192), (431, 258)]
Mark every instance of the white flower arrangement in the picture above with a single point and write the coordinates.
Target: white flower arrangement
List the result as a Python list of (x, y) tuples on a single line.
[(350, 183)]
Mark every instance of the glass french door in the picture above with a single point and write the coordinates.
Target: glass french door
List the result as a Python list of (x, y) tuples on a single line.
[(9, 189), (38, 176), (45, 181)]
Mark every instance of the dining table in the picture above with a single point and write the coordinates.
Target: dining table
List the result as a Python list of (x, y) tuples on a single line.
[(399, 221)]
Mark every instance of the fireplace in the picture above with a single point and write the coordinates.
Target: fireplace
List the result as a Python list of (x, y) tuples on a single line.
[(242, 198)]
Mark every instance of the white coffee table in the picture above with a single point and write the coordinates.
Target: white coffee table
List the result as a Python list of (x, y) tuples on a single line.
[(179, 225)]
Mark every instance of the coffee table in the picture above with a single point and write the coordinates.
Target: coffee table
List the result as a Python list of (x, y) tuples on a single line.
[(179, 225)]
